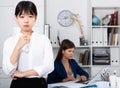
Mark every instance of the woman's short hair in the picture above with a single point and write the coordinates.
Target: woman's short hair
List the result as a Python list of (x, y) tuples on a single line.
[(26, 7)]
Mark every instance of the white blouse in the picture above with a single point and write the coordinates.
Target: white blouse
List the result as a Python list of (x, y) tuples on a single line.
[(37, 55)]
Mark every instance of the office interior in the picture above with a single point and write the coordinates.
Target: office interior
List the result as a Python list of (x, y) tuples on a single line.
[(91, 19)]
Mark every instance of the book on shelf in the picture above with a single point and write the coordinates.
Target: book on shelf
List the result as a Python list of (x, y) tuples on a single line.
[(116, 38), (113, 18), (113, 39), (84, 58), (81, 58), (113, 36)]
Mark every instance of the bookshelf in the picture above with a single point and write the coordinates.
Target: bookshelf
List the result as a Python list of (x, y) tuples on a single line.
[(105, 43)]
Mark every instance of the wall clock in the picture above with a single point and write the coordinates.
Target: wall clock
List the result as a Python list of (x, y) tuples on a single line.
[(64, 18)]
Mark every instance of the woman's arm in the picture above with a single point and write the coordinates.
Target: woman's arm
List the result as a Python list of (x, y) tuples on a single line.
[(48, 60), (83, 74), (16, 52), (11, 53), (19, 74)]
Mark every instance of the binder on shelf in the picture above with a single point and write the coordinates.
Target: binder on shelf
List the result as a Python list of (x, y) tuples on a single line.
[(47, 30), (100, 37), (97, 36), (105, 37), (114, 54)]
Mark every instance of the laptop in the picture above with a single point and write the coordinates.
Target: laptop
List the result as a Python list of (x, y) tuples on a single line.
[(90, 81)]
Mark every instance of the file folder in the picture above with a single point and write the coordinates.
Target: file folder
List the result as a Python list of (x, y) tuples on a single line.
[(100, 37), (115, 52), (105, 37), (97, 37)]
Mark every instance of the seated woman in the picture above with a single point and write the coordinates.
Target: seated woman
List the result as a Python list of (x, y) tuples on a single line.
[(65, 67)]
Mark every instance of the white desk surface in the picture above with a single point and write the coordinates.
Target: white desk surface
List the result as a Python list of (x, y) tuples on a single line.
[(72, 84)]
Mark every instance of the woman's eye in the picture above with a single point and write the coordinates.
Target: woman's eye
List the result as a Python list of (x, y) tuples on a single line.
[(21, 16), (31, 16)]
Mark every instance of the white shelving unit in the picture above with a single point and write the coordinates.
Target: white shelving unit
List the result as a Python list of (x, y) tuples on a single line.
[(106, 37)]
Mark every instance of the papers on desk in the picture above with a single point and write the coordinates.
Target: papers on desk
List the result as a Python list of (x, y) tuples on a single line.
[(72, 84), (59, 87), (90, 86), (103, 84)]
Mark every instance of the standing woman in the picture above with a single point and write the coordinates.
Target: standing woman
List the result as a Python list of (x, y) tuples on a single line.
[(27, 55), (66, 68)]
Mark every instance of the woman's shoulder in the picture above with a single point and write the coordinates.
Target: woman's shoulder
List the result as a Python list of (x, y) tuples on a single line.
[(72, 60), (58, 63), (10, 38)]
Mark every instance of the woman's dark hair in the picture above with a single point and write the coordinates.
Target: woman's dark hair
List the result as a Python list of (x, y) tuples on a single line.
[(65, 44), (26, 7)]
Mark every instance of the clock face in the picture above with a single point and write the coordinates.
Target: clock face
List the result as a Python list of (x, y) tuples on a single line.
[(65, 18)]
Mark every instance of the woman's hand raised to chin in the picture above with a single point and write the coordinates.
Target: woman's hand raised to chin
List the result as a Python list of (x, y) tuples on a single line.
[(25, 39)]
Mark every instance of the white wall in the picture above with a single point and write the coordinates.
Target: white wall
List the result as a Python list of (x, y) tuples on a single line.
[(53, 8), (6, 21), (105, 3)]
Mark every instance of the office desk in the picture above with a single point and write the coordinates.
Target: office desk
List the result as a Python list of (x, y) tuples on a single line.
[(72, 84)]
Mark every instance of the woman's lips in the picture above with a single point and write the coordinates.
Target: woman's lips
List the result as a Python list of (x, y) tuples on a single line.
[(26, 25)]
